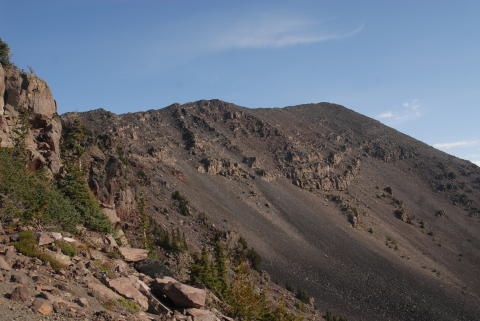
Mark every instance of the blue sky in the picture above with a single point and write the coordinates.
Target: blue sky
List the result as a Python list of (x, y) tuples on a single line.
[(414, 65)]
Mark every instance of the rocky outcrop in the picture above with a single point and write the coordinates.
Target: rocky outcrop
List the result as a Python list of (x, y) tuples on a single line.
[(223, 167), (28, 114)]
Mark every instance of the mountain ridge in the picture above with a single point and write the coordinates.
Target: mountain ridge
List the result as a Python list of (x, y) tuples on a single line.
[(372, 223), (231, 160)]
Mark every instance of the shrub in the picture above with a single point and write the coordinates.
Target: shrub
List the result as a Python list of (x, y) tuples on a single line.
[(181, 203), (31, 195), (66, 248), (254, 258), (330, 317), (289, 287), (250, 303), (75, 188), (203, 271), (246, 301), (302, 296), (4, 54), (75, 140), (173, 240)]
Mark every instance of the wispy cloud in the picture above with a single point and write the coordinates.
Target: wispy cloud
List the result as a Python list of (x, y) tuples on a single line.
[(465, 149), (276, 32), (190, 39), (462, 143), (409, 110)]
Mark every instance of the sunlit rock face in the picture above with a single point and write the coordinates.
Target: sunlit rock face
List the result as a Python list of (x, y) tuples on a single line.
[(28, 114)]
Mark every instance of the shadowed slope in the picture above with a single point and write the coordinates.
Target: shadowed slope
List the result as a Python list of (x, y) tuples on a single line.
[(374, 224)]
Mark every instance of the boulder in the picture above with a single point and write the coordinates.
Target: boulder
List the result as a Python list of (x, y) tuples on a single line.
[(21, 278), (120, 266), (128, 288), (10, 254), (44, 238), (202, 315), (53, 297), (61, 258), (122, 238), (111, 241), (4, 264), (97, 255), (42, 306), (140, 285), (131, 254), (160, 283), (21, 293), (71, 240), (155, 305), (153, 268), (101, 291), (185, 296), (57, 236), (4, 239), (83, 302)]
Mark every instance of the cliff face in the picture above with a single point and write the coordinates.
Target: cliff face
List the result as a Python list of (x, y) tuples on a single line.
[(27, 110), (373, 223)]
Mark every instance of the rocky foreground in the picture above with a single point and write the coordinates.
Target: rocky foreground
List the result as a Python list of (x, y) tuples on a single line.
[(96, 280)]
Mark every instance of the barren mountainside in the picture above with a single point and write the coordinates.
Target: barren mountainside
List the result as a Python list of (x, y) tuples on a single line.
[(374, 224)]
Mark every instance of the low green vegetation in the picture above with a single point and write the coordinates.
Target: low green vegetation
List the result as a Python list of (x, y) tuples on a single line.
[(302, 296), (75, 140), (30, 195), (245, 299), (152, 234), (28, 245), (181, 203), (4, 54), (75, 188), (102, 267), (211, 272), (66, 248), (36, 199), (254, 258), (171, 240), (129, 305), (249, 254), (330, 317)]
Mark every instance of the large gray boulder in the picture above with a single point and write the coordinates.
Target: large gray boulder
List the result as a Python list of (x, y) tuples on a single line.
[(185, 296), (101, 291), (128, 288), (131, 254)]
